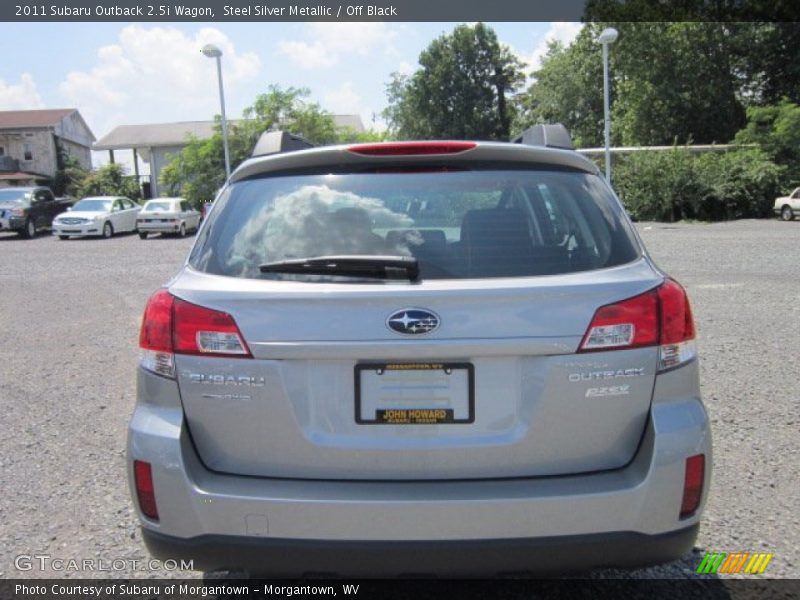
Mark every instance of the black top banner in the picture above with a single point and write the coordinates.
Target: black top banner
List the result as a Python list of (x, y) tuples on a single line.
[(291, 10), (397, 10)]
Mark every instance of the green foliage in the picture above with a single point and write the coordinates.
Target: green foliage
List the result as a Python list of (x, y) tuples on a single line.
[(109, 180), (776, 129), (70, 175), (567, 91), (669, 81), (674, 82), (741, 184), (674, 185), (69, 178), (198, 171), (461, 90), (348, 136)]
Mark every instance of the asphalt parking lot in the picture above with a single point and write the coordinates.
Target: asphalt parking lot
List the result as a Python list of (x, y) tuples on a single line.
[(70, 312)]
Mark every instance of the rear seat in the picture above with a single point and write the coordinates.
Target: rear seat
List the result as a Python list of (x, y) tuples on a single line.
[(496, 242)]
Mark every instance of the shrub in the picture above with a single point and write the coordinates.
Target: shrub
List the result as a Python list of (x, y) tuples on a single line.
[(110, 180), (677, 184)]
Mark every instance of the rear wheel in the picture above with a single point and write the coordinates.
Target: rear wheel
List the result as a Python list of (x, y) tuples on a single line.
[(30, 229), (142, 235), (787, 214), (108, 230)]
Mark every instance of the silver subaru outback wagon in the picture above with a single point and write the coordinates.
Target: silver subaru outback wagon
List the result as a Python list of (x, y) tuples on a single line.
[(447, 358)]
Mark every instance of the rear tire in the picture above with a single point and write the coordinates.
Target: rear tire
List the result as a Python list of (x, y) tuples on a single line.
[(30, 229), (108, 230), (787, 214), (142, 235)]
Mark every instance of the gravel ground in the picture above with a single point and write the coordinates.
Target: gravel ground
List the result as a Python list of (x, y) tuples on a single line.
[(70, 311)]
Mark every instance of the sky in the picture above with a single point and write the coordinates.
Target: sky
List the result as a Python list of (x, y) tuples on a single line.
[(129, 73)]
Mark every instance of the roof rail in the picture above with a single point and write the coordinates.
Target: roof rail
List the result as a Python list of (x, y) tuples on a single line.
[(550, 135), (273, 142)]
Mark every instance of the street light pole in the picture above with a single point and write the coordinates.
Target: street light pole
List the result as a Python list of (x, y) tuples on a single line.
[(212, 51), (607, 37)]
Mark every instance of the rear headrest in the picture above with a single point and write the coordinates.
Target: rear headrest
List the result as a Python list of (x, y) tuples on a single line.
[(497, 226)]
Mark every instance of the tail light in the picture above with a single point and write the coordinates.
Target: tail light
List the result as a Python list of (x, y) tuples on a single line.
[(693, 484), (173, 326), (412, 148), (145, 491), (659, 317)]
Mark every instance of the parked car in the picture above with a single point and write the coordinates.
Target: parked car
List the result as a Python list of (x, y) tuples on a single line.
[(27, 210), (167, 215), (451, 358), (788, 207), (101, 215)]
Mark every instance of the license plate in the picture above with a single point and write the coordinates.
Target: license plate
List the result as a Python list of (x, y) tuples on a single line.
[(414, 393)]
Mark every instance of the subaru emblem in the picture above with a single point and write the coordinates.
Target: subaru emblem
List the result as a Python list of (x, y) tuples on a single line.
[(412, 321)]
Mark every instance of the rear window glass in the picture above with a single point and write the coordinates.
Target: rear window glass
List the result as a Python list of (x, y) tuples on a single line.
[(457, 224), (156, 206)]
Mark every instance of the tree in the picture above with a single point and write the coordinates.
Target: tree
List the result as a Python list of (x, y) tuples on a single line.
[(670, 82), (776, 129), (566, 91), (461, 91), (70, 175), (675, 82), (198, 171), (109, 180)]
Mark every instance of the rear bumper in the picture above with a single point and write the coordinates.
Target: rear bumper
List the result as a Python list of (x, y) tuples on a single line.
[(625, 517), (158, 227), (513, 556)]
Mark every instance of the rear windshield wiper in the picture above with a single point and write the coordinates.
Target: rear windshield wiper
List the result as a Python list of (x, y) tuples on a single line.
[(355, 265)]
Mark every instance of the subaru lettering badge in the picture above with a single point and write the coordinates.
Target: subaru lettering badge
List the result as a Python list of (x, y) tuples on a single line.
[(411, 321)]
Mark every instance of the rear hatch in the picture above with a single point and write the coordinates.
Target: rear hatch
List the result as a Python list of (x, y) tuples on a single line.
[(470, 371)]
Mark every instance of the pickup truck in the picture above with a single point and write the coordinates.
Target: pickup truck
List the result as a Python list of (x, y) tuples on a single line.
[(26, 210)]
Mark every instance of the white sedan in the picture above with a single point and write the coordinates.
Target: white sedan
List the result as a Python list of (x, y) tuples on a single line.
[(101, 215), (167, 215), (788, 207)]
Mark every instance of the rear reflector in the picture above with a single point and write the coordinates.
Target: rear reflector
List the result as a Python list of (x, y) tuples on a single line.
[(627, 324), (659, 317), (173, 326), (145, 491), (677, 327), (693, 484), (200, 330), (411, 148), (155, 337)]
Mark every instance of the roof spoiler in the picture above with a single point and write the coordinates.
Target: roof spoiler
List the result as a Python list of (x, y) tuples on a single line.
[(550, 135), (274, 142)]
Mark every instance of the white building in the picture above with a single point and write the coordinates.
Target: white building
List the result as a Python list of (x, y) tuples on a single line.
[(156, 143)]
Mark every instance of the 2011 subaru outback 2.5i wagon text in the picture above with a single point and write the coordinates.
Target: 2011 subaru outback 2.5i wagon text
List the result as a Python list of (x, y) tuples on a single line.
[(451, 358)]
